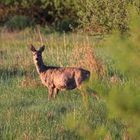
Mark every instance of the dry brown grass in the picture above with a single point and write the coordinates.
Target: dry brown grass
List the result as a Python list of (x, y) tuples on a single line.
[(84, 56)]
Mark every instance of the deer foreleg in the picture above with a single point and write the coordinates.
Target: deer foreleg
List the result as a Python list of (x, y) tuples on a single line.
[(50, 93), (55, 92)]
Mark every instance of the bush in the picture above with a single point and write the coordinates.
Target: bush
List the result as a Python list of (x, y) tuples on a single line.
[(103, 16), (66, 25), (18, 22), (123, 101), (91, 16)]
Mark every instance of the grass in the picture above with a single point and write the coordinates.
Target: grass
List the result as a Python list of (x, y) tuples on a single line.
[(26, 114)]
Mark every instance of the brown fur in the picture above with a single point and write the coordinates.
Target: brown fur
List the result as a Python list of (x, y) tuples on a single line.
[(58, 78)]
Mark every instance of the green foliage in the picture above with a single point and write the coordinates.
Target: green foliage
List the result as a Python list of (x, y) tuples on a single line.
[(90, 16), (103, 16), (18, 23), (123, 100)]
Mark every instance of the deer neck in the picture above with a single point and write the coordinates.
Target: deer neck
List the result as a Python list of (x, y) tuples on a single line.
[(40, 66)]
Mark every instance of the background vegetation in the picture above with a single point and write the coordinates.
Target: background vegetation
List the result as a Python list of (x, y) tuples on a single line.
[(112, 56), (91, 16)]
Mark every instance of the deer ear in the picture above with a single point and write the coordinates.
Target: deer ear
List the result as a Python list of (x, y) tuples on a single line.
[(41, 49), (32, 48)]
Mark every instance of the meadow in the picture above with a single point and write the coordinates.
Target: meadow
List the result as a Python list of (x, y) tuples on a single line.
[(113, 60)]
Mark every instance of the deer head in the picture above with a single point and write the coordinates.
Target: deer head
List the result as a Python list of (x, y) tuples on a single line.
[(37, 57), (37, 54)]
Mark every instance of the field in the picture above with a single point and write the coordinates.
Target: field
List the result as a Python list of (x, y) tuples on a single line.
[(26, 113)]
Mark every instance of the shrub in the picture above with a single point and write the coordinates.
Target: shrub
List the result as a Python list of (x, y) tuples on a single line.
[(103, 16), (92, 16), (66, 25), (18, 22)]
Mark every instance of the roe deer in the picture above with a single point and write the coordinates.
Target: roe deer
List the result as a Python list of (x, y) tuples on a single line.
[(58, 78)]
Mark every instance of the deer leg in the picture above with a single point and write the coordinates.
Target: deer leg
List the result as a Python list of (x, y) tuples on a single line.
[(55, 92), (50, 93), (78, 81)]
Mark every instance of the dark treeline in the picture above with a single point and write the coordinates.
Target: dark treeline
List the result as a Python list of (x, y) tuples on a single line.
[(89, 15)]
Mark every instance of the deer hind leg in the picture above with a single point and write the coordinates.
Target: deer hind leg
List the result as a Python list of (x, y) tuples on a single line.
[(50, 92), (55, 92), (78, 81)]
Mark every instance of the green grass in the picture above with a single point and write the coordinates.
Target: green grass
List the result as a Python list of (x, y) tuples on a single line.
[(25, 112)]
